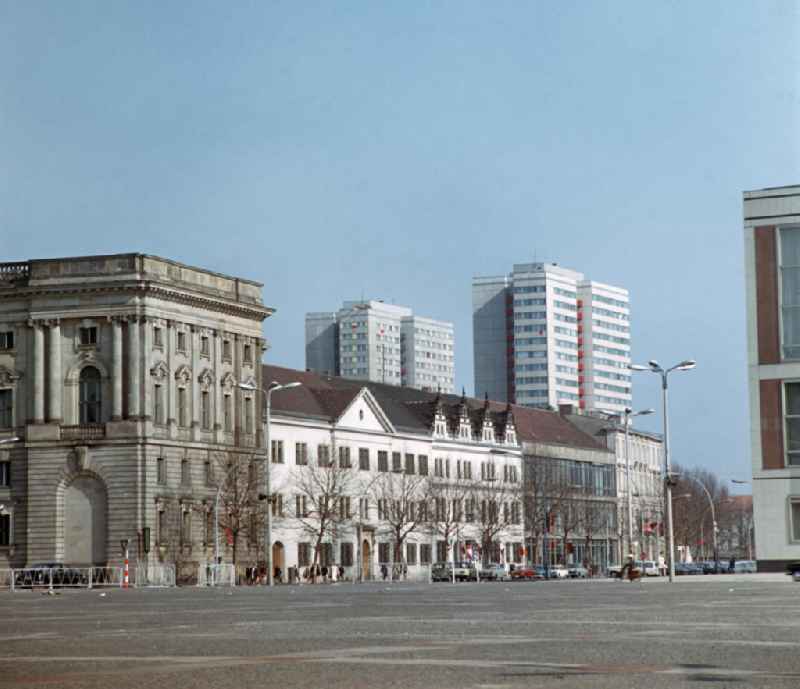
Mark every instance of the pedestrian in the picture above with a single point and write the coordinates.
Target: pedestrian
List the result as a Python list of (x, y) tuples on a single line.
[(384, 572), (732, 565), (341, 572)]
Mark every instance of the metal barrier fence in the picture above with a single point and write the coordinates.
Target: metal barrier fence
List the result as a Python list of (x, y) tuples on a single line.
[(84, 577), (155, 575), (210, 574)]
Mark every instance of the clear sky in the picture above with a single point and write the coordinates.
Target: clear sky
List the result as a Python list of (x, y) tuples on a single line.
[(394, 150)]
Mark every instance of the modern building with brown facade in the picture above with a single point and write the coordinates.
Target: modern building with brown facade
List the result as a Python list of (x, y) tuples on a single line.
[(772, 277)]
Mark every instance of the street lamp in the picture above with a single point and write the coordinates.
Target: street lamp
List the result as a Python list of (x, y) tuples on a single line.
[(627, 415), (3, 441), (274, 386), (654, 367)]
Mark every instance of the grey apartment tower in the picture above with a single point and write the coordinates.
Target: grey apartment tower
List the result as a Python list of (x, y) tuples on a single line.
[(371, 340), (545, 335)]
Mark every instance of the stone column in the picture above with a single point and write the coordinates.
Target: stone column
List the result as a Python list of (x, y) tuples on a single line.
[(55, 386), (38, 372), (133, 367), (194, 388), (147, 343), (116, 373), (216, 353)]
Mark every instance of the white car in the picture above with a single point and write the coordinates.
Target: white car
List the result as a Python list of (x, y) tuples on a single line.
[(650, 569), (559, 572)]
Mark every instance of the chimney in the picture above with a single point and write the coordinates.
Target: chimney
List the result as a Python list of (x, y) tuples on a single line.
[(566, 409)]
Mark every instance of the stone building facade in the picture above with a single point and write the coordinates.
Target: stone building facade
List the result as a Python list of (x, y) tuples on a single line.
[(119, 384)]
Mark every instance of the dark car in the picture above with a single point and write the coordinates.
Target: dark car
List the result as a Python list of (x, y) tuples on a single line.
[(50, 573), (686, 568), (711, 567)]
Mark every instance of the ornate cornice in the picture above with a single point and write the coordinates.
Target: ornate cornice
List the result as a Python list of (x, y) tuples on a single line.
[(146, 288)]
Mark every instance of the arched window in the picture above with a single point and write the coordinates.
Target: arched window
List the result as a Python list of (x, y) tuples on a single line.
[(89, 401)]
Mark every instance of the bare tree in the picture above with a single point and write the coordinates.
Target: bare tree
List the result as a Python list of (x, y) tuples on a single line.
[(402, 499), (324, 490), (496, 506), (543, 491), (595, 518), (239, 478), (449, 506), (692, 514)]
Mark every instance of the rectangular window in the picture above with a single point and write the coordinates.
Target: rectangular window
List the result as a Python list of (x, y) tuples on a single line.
[(277, 451), (794, 506), (409, 464), (425, 554), (384, 553), (277, 505), (161, 470), (181, 344), (326, 554), (204, 346), (6, 408), (248, 354), (88, 336), (161, 526), (6, 340), (363, 508), (158, 404), (5, 530), (383, 460), (397, 462), (411, 553), (208, 537), (248, 415), (346, 555), (205, 409), (303, 554), (158, 336), (226, 350), (182, 411), (441, 551), (186, 526), (185, 472), (227, 403), (422, 465), (301, 454), (301, 506), (344, 457), (324, 455), (5, 474), (363, 459), (792, 423), (790, 291), (209, 472)]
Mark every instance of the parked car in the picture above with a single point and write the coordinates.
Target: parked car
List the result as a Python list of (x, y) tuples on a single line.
[(447, 571), (687, 568), (745, 567), (535, 573), (46, 573), (495, 572), (615, 571), (650, 568), (578, 572), (558, 572), (711, 567), (793, 570)]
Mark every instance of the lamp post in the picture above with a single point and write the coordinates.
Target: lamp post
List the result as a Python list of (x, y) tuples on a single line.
[(3, 441), (273, 387), (628, 414), (654, 367)]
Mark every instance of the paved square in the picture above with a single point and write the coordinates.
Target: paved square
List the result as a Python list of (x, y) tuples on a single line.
[(728, 631)]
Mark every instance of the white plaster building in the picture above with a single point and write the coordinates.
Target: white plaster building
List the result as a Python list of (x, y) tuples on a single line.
[(119, 377), (772, 283), (378, 433), (545, 335)]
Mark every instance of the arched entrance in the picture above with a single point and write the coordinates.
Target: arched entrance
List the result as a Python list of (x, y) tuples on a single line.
[(277, 560), (366, 560), (85, 509)]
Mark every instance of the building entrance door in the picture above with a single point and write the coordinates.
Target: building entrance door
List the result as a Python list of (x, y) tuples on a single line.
[(85, 510)]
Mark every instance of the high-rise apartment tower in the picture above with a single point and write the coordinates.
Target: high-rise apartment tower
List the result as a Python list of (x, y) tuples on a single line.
[(545, 335), (384, 343)]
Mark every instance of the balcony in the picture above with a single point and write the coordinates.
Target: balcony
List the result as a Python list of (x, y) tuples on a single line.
[(84, 432)]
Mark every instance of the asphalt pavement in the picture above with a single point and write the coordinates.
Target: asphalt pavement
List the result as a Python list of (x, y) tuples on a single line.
[(729, 631)]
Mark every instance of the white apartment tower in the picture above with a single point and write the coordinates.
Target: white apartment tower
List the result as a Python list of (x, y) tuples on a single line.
[(545, 335), (383, 343)]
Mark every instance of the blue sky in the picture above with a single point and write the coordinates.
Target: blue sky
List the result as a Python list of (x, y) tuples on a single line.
[(394, 150)]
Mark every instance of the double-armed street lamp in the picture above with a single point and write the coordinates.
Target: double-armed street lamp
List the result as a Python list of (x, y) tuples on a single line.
[(654, 367), (274, 386)]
